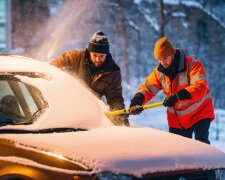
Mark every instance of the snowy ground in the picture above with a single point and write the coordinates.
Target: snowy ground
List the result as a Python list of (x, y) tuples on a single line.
[(156, 118)]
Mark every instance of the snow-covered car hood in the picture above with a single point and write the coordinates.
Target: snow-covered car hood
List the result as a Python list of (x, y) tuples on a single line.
[(134, 151)]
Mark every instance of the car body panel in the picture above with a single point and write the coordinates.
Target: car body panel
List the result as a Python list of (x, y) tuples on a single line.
[(139, 150), (16, 161)]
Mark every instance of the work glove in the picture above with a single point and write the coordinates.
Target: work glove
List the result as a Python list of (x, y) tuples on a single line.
[(136, 104), (183, 94), (172, 99), (136, 110), (120, 120)]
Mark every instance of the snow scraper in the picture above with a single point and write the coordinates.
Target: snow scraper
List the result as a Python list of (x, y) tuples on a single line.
[(123, 111)]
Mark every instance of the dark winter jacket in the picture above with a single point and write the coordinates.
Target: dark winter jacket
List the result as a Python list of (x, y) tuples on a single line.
[(103, 80)]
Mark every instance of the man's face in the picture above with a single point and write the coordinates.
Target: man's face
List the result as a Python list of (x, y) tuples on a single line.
[(166, 61), (97, 58)]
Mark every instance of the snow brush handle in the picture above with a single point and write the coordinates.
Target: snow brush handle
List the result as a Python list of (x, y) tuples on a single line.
[(123, 111)]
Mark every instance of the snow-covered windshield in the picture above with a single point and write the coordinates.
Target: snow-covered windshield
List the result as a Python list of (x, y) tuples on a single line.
[(70, 104), (19, 102)]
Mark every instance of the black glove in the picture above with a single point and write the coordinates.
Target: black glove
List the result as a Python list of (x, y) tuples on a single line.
[(120, 120), (136, 104), (173, 98), (170, 100), (183, 94)]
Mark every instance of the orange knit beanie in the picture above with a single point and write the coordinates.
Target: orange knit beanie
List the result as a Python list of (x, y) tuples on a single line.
[(163, 48)]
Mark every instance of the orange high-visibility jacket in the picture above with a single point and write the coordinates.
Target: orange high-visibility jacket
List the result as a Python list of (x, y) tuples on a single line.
[(185, 113)]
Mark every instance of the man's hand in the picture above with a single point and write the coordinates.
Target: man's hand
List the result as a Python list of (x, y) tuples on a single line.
[(170, 100), (136, 104), (183, 94), (173, 98), (136, 109)]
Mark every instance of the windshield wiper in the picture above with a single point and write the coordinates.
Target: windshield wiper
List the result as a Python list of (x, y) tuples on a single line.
[(38, 113), (41, 131)]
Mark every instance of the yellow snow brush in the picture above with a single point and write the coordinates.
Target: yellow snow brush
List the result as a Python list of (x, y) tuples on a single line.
[(123, 111)]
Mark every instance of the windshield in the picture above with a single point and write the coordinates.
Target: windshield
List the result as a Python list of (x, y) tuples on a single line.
[(19, 102)]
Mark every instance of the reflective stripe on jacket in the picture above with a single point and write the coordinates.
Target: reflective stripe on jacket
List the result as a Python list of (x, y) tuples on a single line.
[(185, 113)]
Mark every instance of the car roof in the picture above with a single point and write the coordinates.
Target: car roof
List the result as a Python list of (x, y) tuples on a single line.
[(12, 63)]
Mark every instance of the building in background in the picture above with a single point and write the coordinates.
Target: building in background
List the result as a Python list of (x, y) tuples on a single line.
[(20, 20), (5, 35)]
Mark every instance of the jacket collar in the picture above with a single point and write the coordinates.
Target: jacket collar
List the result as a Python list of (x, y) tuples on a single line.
[(182, 60)]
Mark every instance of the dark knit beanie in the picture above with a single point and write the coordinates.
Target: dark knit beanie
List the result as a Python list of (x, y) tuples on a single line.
[(99, 43), (163, 48)]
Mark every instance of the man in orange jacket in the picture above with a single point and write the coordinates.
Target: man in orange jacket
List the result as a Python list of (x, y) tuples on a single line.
[(188, 99)]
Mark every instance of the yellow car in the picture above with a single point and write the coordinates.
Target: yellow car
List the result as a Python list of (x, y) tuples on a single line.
[(52, 127)]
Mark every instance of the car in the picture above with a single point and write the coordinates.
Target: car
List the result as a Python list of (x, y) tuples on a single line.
[(53, 127)]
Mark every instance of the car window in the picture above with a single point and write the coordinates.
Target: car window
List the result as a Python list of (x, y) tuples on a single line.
[(19, 102)]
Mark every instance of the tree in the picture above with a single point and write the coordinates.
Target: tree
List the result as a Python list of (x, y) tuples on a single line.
[(161, 18)]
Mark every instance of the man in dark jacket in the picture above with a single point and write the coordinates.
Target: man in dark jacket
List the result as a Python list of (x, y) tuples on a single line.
[(98, 70)]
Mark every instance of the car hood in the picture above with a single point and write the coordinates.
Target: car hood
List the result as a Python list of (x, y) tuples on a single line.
[(135, 151)]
